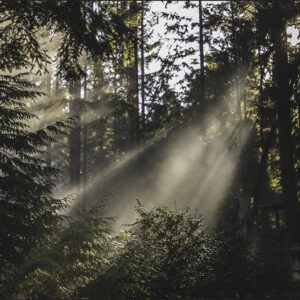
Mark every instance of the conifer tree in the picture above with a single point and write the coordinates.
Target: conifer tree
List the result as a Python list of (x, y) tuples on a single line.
[(29, 211)]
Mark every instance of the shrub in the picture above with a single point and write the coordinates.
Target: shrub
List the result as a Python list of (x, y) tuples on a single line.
[(164, 256)]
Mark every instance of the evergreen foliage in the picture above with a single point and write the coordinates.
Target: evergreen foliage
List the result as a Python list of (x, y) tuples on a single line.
[(28, 209), (73, 256)]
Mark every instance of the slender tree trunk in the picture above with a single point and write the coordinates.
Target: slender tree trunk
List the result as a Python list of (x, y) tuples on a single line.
[(56, 97), (201, 43), (261, 174), (245, 101), (74, 140), (85, 135), (48, 92), (281, 97), (143, 74), (261, 79), (265, 146), (201, 57), (132, 90), (237, 80)]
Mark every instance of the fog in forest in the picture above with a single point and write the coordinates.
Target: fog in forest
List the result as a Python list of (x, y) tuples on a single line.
[(193, 161), (149, 149)]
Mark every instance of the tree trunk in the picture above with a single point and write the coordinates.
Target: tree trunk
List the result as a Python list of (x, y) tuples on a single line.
[(201, 57), (201, 43), (281, 97), (143, 75), (48, 92), (237, 81), (75, 142), (132, 90), (265, 145), (261, 174), (85, 135)]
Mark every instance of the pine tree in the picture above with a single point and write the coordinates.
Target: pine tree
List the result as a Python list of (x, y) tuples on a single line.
[(28, 209)]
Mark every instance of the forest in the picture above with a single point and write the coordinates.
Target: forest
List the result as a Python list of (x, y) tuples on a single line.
[(149, 149)]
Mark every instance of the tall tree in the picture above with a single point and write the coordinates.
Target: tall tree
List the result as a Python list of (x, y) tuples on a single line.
[(28, 209), (132, 88), (75, 141), (201, 56), (85, 133), (48, 92), (27, 206), (142, 46), (281, 96)]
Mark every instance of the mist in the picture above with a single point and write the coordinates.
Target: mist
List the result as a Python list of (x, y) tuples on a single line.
[(191, 167)]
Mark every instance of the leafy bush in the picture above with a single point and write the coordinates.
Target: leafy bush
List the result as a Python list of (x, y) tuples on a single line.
[(164, 255), (167, 254)]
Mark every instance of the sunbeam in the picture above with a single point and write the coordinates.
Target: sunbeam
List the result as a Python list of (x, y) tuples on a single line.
[(196, 170)]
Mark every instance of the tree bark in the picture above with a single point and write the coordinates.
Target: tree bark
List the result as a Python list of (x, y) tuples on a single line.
[(143, 74), (281, 97), (48, 92), (132, 89), (85, 136), (237, 81), (74, 140), (201, 43), (201, 57)]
